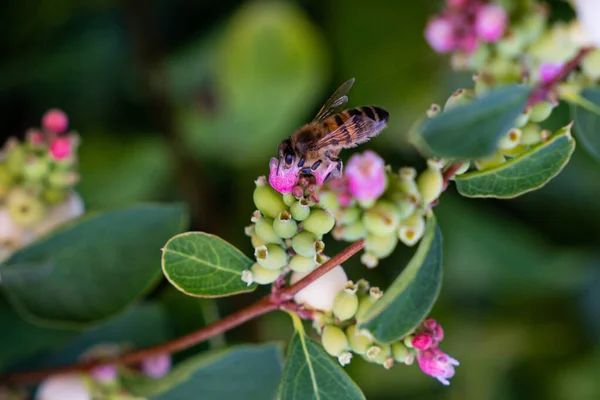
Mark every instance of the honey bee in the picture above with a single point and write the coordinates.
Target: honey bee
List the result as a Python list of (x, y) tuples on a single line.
[(314, 148)]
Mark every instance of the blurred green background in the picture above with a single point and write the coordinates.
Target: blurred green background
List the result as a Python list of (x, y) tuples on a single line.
[(187, 100)]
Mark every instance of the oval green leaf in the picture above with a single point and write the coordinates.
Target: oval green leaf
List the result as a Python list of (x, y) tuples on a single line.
[(243, 372), (411, 296), (310, 373), (472, 131), (93, 268), (586, 112), (204, 265), (524, 173)]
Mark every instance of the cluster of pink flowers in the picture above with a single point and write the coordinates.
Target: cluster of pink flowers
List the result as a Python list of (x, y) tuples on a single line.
[(465, 24), (432, 360), (60, 145)]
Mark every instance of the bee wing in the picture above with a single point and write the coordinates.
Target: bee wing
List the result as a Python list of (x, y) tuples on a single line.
[(336, 102), (356, 130)]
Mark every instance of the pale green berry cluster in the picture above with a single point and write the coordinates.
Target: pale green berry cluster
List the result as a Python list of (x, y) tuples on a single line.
[(31, 181), (341, 337), (398, 215), (286, 234), (526, 132)]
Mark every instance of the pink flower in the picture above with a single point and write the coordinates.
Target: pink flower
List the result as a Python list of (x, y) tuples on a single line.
[(490, 22), (422, 341), (281, 178), (55, 120), (61, 148), (157, 366), (468, 43), (440, 34), (366, 176), (104, 373), (549, 71), (437, 364), (457, 3), (434, 329), (35, 137)]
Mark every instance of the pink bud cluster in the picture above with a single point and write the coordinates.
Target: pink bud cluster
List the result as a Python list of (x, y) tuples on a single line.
[(54, 124), (465, 24), (432, 360)]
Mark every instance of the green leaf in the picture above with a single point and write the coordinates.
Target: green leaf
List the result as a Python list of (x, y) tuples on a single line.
[(411, 296), (243, 372), (310, 373), (204, 265), (93, 268), (587, 120), (472, 131), (524, 173)]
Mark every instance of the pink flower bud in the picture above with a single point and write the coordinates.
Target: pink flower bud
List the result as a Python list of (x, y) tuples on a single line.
[(440, 35), (281, 178), (422, 341), (55, 120), (437, 364), (345, 199), (437, 334), (61, 148), (366, 176), (549, 71), (35, 137), (157, 366), (429, 324), (104, 373), (468, 43), (490, 22)]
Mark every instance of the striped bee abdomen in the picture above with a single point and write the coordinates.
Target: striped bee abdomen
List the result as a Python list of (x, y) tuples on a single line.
[(377, 114)]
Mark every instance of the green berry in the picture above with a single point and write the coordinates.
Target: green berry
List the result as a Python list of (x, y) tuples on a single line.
[(541, 111), (400, 352), (300, 210), (264, 276), (35, 169), (523, 118), (284, 226), (591, 65), (345, 303), (15, 158), (349, 215), (368, 259), (430, 183), (62, 179), (490, 162), (302, 264), (531, 134), (381, 246), (24, 208), (366, 302), (271, 256), (265, 232), (382, 218), (411, 230), (267, 199), (319, 222), (328, 200), (304, 243), (511, 139), (384, 356), (358, 342), (354, 231), (54, 196), (463, 168), (334, 340), (288, 199)]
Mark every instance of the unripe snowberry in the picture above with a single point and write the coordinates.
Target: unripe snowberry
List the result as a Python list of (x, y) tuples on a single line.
[(368, 259), (267, 199), (305, 244), (358, 342), (430, 183), (284, 226), (15, 159), (264, 276), (54, 196), (329, 201), (463, 168), (411, 230), (35, 169), (591, 65), (319, 222), (349, 215), (381, 246), (384, 356), (334, 340), (62, 179), (288, 199), (511, 139), (400, 352), (433, 110), (345, 303), (531, 134), (300, 210), (541, 111), (382, 218), (302, 264), (319, 295), (490, 162), (523, 118), (256, 241), (24, 208), (365, 302), (459, 98), (265, 232), (271, 256), (354, 231), (406, 206)]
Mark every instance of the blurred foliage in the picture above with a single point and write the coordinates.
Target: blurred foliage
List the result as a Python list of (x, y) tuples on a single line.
[(520, 300)]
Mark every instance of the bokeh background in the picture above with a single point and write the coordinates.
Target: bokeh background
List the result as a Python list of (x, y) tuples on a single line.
[(187, 100)]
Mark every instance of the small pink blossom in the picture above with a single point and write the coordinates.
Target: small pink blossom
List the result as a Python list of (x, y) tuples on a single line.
[(468, 43), (61, 148), (422, 341), (366, 176), (491, 21), (55, 120), (35, 137), (434, 329), (104, 373), (281, 178), (157, 366), (437, 364), (440, 34), (345, 199), (549, 71)]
